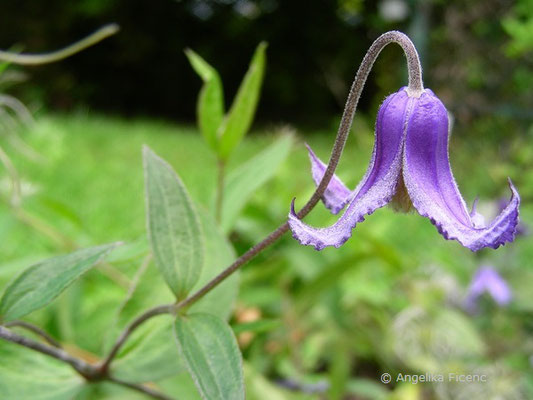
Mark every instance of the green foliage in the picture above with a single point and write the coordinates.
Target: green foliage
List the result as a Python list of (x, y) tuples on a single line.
[(173, 226), (43, 282), (244, 180), (242, 111), (519, 26), (224, 134), (26, 375), (212, 356), (210, 105)]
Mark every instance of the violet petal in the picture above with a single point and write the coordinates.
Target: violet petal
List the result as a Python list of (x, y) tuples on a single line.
[(428, 177), (337, 194), (377, 186)]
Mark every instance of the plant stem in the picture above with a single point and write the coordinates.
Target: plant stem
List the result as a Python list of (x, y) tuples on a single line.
[(34, 329), (221, 169), (88, 371), (84, 369), (415, 87), (159, 310), (45, 58), (101, 371)]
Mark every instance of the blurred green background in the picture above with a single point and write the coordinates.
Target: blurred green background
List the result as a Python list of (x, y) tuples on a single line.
[(311, 325)]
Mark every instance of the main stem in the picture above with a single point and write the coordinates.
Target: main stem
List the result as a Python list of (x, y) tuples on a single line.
[(415, 88), (101, 372)]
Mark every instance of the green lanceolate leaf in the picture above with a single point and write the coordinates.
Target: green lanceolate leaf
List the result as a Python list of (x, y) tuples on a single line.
[(242, 110), (247, 178), (43, 282), (211, 354), (174, 230), (210, 106)]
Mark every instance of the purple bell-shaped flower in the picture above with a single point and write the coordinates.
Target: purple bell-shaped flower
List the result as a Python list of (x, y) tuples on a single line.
[(410, 166)]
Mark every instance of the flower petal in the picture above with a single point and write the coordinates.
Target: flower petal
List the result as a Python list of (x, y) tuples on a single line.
[(337, 194), (379, 183), (428, 177)]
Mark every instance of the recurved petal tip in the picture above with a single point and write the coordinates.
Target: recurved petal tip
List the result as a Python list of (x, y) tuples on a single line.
[(503, 228)]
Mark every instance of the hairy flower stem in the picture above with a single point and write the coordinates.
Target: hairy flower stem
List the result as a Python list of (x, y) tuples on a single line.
[(90, 372), (415, 88), (45, 58), (221, 169)]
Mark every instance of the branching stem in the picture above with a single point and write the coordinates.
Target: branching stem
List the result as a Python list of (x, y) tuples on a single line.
[(90, 372), (101, 371), (83, 368)]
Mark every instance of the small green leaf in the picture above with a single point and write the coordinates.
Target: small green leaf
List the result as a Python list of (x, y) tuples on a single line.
[(43, 282), (210, 106), (247, 178), (241, 113), (174, 230), (211, 354)]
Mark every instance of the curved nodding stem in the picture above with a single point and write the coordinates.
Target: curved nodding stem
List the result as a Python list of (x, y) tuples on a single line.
[(415, 88), (45, 58)]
